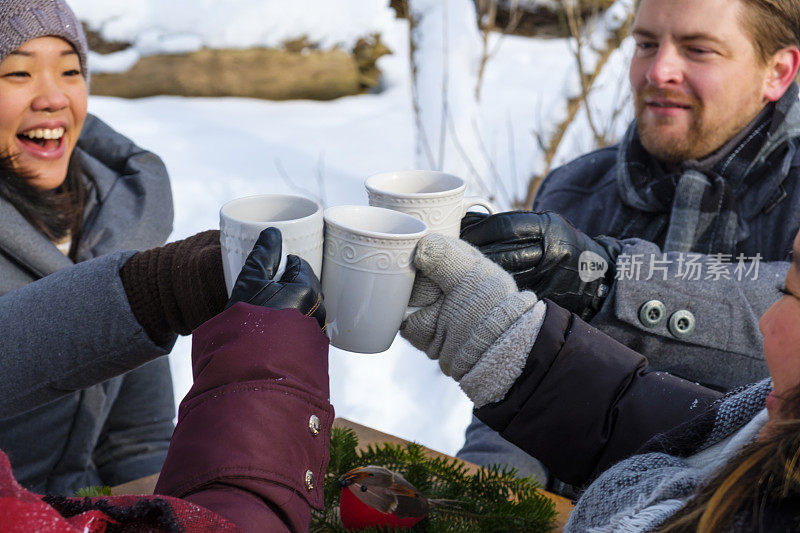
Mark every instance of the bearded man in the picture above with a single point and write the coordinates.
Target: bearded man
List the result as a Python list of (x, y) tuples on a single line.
[(707, 173)]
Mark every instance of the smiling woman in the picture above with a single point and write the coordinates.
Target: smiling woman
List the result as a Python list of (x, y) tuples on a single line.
[(72, 189), (42, 111), (43, 108)]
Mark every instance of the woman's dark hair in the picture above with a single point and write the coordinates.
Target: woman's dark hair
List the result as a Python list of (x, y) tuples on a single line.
[(56, 213), (764, 476)]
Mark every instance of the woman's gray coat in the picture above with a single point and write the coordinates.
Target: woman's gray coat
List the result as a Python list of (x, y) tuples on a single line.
[(118, 430)]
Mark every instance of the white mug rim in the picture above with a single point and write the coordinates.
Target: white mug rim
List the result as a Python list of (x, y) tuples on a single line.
[(375, 234), (223, 211), (369, 184)]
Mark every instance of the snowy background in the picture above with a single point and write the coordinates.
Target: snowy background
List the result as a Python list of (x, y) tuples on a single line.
[(217, 149)]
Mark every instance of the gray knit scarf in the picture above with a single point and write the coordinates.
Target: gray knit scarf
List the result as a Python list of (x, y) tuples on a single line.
[(695, 209), (642, 492)]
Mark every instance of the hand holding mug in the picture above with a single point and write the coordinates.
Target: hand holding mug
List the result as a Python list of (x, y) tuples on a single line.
[(466, 303), (544, 252), (298, 287), (368, 274), (242, 220)]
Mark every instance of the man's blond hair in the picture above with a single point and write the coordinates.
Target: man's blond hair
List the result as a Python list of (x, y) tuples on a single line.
[(772, 24)]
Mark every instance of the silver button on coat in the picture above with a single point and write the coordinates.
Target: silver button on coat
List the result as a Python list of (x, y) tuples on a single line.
[(309, 480), (682, 324), (652, 313)]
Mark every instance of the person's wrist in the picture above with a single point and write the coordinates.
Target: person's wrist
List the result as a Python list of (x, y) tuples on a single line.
[(174, 288), (610, 249), (198, 283), (141, 289), (499, 367), (491, 327)]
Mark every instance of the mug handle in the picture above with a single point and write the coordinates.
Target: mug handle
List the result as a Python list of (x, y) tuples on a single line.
[(472, 201)]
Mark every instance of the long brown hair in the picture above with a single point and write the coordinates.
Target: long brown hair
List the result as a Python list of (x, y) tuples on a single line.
[(762, 476), (56, 213)]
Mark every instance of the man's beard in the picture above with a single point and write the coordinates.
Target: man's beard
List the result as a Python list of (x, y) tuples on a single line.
[(701, 138)]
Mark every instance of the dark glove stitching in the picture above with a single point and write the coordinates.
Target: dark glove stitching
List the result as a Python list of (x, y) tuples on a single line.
[(262, 289), (274, 294)]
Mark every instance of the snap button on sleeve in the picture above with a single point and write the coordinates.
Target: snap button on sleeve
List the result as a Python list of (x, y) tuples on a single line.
[(314, 425)]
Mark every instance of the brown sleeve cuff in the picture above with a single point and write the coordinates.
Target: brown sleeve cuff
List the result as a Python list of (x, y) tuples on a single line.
[(177, 287), (141, 288)]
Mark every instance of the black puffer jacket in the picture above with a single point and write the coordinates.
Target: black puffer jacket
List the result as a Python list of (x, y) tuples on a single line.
[(585, 401)]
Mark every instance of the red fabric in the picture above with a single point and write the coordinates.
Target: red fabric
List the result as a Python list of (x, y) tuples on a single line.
[(22, 511)]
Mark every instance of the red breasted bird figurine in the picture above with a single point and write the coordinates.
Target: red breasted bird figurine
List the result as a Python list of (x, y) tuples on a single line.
[(373, 496)]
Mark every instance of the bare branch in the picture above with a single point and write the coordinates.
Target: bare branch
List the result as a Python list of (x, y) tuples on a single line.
[(445, 82), (323, 201), (423, 144), (580, 33), (471, 167), (512, 155), (498, 181), (487, 22)]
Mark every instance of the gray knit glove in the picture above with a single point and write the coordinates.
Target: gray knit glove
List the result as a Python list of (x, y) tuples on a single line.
[(467, 303)]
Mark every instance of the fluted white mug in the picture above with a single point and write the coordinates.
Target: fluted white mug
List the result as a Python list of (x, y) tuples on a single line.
[(436, 198), (367, 274), (241, 221)]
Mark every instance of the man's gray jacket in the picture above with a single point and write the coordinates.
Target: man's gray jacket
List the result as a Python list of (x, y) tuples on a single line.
[(118, 430), (725, 349)]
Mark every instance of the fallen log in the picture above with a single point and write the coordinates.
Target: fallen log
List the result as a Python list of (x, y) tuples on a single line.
[(257, 73)]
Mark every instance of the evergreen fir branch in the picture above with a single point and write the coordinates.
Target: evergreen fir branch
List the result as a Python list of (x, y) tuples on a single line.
[(91, 492), (492, 499), (342, 455)]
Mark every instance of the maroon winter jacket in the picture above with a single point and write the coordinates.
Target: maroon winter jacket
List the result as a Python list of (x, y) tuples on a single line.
[(250, 448)]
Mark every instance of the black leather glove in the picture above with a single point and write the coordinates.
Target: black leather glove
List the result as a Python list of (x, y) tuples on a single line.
[(541, 251), (298, 288)]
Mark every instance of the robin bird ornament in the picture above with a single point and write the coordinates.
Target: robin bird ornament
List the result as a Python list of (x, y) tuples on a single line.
[(373, 496)]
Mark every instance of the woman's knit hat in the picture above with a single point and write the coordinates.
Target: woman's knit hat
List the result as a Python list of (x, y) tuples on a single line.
[(23, 20)]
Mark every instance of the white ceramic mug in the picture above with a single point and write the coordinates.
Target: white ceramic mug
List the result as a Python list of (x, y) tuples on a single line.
[(242, 220), (434, 197), (368, 274)]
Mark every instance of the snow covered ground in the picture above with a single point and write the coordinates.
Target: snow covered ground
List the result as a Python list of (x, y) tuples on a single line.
[(222, 148)]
